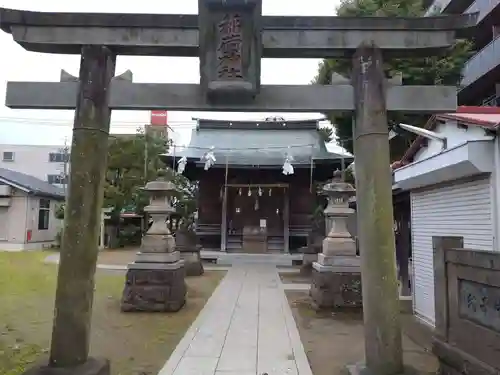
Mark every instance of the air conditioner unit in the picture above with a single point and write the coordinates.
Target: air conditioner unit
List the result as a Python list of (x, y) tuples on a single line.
[(4, 201), (5, 191), (8, 156)]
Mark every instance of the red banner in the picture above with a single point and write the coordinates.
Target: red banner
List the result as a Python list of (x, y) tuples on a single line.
[(159, 118)]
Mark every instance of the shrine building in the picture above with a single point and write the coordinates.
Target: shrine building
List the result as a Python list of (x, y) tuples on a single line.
[(247, 202)]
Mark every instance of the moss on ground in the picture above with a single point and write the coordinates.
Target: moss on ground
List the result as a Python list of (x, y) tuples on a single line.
[(136, 343), (334, 340)]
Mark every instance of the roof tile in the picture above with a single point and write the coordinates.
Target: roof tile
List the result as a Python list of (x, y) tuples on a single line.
[(31, 184)]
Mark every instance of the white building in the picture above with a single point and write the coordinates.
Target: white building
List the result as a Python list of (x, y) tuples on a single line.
[(27, 212), (48, 163), (454, 190)]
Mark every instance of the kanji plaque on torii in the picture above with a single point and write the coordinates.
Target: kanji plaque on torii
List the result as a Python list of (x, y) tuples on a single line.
[(230, 43)]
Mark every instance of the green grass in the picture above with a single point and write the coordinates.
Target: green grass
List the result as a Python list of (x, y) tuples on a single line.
[(135, 343), (23, 279)]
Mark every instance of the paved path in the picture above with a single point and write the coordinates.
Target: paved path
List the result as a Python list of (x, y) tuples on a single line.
[(246, 328)]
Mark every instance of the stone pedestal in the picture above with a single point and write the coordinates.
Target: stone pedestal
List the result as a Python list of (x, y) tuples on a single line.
[(332, 288), (190, 252), (307, 261), (336, 275), (155, 281), (310, 252), (154, 287), (192, 262)]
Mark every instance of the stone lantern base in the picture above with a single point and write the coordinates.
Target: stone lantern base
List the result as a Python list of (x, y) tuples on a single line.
[(190, 253), (192, 261), (155, 287), (155, 281), (336, 278)]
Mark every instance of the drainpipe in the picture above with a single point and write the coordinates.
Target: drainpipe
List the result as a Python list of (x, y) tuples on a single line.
[(495, 187), (28, 200)]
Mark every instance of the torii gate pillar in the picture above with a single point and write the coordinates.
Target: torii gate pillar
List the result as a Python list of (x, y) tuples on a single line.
[(382, 327), (89, 150)]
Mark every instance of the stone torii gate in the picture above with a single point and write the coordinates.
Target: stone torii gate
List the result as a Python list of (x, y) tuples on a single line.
[(230, 37)]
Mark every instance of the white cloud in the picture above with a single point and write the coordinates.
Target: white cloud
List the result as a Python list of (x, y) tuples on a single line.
[(20, 65)]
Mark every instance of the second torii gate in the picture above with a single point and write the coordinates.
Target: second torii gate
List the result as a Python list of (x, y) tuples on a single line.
[(230, 37)]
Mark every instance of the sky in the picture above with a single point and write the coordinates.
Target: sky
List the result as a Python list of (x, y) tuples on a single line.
[(54, 127)]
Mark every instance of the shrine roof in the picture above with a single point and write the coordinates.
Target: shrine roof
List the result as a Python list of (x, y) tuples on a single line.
[(246, 143)]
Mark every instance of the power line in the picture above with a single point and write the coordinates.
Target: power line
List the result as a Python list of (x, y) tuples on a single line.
[(70, 122), (243, 148), (29, 119), (172, 126), (113, 125), (65, 122)]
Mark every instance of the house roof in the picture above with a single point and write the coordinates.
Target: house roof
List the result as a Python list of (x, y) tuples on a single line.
[(30, 184), (485, 117), (262, 143)]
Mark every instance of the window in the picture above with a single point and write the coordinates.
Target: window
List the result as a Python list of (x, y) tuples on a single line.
[(56, 179), (44, 214), (8, 156), (58, 157)]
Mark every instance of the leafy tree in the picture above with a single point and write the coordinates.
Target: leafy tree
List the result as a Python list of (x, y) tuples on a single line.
[(132, 162), (326, 133), (416, 71), (184, 198), (59, 212)]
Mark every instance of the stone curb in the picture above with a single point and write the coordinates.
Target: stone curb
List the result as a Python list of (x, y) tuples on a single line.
[(54, 259), (296, 287)]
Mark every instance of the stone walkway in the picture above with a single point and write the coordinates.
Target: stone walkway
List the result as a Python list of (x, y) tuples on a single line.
[(246, 328)]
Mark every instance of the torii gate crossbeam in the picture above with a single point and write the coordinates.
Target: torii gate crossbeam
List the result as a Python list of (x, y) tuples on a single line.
[(282, 37), (230, 37)]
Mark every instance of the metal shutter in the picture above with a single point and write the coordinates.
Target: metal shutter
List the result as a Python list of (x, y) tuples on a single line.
[(462, 209)]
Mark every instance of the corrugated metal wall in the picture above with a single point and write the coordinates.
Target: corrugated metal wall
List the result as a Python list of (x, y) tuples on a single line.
[(462, 209)]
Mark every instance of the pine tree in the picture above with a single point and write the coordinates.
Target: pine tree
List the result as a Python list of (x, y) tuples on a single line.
[(445, 70)]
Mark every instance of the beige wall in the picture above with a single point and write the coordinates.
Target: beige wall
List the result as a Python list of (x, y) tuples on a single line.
[(37, 235), (32, 160), (14, 223), (22, 215)]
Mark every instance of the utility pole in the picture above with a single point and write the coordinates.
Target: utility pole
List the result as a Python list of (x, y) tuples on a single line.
[(65, 155), (146, 152)]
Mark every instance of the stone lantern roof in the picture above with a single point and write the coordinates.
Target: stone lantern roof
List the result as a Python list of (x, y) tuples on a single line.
[(160, 185), (337, 188), (160, 191)]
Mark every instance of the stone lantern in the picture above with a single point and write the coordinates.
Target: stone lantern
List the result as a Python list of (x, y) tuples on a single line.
[(336, 278), (155, 281)]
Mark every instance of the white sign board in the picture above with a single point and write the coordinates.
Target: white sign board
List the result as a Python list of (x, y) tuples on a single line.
[(263, 223)]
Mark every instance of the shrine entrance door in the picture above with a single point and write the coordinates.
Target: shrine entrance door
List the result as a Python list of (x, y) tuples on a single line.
[(256, 217)]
